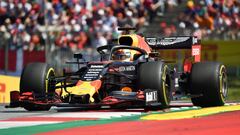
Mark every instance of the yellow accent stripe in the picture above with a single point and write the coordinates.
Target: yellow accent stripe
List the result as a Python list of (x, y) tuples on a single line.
[(221, 83), (191, 113), (47, 76), (163, 85)]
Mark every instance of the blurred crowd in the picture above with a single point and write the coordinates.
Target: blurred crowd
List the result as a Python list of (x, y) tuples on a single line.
[(77, 24), (74, 24), (212, 17)]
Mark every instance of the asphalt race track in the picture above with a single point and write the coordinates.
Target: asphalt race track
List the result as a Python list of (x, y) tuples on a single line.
[(186, 119), (12, 113), (220, 124)]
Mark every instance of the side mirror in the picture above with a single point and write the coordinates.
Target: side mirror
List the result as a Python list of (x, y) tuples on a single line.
[(78, 55)]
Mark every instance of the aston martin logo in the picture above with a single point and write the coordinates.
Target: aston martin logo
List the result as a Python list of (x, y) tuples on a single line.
[(166, 41)]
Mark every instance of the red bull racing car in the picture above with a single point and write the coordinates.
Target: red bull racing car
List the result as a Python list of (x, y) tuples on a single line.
[(130, 74)]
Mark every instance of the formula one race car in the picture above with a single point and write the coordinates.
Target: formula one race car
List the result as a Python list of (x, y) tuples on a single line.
[(130, 74)]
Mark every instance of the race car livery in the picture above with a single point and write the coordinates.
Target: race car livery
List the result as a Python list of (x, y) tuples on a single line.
[(130, 74)]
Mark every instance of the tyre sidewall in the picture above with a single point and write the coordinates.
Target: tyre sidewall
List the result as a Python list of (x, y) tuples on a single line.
[(153, 75), (205, 80), (33, 78)]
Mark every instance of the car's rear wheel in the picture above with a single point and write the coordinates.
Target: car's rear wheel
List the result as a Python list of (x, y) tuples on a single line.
[(208, 81), (155, 76), (34, 79)]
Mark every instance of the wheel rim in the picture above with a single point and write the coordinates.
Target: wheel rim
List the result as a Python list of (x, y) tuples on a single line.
[(165, 86), (49, 74), (223, 83)]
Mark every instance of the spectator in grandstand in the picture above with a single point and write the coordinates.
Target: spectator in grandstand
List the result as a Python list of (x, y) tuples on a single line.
[(86, 23), (151, 7), (99, 40), (211, 16), (29, 17)]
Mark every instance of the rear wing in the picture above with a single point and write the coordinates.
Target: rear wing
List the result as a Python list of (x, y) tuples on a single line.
[(182, 42)]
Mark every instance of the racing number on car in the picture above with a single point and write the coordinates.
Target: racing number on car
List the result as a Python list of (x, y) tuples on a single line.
[(151, 96)]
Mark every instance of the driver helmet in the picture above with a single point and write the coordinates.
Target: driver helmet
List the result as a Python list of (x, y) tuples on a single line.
[(122, 55)]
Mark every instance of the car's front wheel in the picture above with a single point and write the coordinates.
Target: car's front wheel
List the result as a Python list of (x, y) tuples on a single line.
[(35, 79), (155, 76)]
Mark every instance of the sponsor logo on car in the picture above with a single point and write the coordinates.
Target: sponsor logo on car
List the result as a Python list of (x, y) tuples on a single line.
[(126, 68)]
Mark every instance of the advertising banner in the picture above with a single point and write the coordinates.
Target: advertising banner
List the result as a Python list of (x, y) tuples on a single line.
[(7, 84), (227, 52)]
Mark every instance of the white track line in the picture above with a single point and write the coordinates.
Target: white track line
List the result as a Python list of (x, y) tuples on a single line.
[(100, 115), (10, 124)]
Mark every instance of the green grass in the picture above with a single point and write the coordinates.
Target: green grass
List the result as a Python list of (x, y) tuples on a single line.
[(233, 94), (233, 89)]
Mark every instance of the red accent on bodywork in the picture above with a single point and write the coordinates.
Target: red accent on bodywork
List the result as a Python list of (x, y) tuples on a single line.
[(187, 66), (196, 52), (110, 99), (96, 84), (143, 45), (26, 96), (140, 95), (79, 83), (29, 96), (113, 100)]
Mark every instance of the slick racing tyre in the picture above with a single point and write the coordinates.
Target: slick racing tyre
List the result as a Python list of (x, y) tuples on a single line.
[(209, 81), (155, 76), (34, 79)]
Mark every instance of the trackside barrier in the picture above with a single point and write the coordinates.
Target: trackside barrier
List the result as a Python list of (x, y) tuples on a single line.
[(28, 57)]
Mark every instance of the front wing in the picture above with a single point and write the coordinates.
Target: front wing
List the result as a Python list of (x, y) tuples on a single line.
[(117, 100)]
